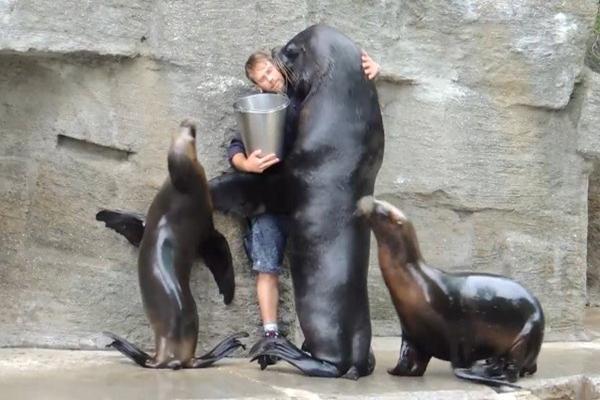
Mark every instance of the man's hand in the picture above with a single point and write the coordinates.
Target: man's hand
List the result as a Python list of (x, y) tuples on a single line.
[(370, 67), (255, 162)]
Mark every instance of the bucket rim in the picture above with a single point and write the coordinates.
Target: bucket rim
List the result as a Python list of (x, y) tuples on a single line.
[(285, 104)]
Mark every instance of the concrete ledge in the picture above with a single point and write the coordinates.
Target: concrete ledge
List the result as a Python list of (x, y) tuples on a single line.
[(566, 371)]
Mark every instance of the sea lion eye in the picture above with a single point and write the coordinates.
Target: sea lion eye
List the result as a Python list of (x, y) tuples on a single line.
[(292, 51)]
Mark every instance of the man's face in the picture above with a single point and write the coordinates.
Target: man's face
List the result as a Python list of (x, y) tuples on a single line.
[(267, 77)]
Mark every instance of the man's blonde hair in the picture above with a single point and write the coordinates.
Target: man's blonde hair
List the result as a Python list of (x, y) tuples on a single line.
[(254, 59)]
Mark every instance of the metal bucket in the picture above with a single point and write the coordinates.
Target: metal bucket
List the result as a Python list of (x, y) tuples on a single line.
[(261, 119)]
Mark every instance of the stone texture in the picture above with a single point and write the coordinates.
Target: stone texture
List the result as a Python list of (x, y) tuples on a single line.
[(490, 136), (589, 121), (589, 147), (593, 255)]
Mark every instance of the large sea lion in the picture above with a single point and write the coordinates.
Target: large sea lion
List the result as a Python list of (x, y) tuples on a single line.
[(177, 230), (333, 162), (488, 326)]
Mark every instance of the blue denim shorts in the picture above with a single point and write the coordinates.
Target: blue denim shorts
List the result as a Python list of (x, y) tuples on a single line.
[(265, 242)]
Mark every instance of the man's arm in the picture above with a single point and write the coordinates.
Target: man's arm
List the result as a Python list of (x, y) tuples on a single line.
[(255, 162), (374, 71)]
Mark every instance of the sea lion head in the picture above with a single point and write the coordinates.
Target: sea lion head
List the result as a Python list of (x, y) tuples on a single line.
[(183, 142), (305, 59), (184, 167), (392, 229)]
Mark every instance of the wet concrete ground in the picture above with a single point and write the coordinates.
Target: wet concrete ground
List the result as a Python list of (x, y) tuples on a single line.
[(566, 371)]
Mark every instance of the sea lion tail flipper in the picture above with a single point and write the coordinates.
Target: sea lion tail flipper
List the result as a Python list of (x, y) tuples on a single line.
[(285, 350), (217, 257), (128, 349), (222, 349), (128, 224), (467, 374)]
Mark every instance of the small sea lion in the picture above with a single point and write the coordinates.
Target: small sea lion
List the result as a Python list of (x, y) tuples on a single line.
[(488, 326)]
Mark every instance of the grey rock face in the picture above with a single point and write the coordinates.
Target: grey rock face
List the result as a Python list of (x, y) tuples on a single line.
[(489, 142), (589, 147)]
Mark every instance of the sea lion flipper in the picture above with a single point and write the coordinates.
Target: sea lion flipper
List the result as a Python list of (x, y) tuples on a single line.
[(245, 194), (128, 224), (128, 349), (225, 343), (282, 348), (470, 375), (217, 257), (222, 349)]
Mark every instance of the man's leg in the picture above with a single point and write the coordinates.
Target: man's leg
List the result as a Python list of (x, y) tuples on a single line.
[(267, 290), (266, 245)]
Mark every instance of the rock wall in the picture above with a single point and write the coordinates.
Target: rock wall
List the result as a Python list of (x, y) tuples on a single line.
[(589, 147), (490, 139)]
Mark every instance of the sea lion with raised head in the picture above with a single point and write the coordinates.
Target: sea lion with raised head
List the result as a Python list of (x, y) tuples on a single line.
[(488, 326), (177, 230)]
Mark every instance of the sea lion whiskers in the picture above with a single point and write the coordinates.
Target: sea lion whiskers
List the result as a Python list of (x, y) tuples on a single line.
[(290, 77)]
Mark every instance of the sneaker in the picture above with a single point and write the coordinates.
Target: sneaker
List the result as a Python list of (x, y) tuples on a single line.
[(272, 334)]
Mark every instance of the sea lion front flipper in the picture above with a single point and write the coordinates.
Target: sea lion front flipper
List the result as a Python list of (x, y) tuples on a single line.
[(412, 361), (128, 224), (285, 350), (222, 349), (246, 194), (217, 257)]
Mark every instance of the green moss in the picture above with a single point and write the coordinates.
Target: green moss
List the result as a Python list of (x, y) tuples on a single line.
[(592, 57)]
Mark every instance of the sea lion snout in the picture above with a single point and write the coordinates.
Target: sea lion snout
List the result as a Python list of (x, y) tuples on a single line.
[(370, 207), (365, 206), (183, 142), (188, 128)]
